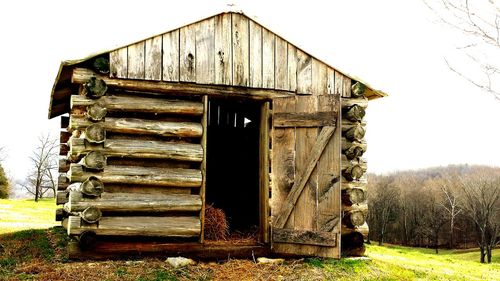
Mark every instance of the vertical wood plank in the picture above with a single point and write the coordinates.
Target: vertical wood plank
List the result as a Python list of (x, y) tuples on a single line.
[(346, 83), (319, 78), (240, 37), (171, 56), (292, 68), (204, 124), (268, 41), (187, 54), (223, 50), (255, 55), (306, 207), (135, 57), (281, 64), (283, 159), (118, 63), (153, 59), (264, 172), (304, 73), (339, 85), (330, 76), (329, 204), (205, 52)]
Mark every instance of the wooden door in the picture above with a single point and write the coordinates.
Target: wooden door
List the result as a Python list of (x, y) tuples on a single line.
[(305, 197)]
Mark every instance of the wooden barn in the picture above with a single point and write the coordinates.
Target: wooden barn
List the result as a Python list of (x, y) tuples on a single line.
[(221, 114)]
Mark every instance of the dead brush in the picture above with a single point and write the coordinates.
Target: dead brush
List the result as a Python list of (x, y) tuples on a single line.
[(216, 226)]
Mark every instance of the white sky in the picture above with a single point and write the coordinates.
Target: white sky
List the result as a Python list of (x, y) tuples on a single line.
[(431, 117)]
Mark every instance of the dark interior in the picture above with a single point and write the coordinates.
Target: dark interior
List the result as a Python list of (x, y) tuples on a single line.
[(232, 182)]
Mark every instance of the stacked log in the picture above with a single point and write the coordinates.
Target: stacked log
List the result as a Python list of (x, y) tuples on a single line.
[(116, 146), (353, 166)]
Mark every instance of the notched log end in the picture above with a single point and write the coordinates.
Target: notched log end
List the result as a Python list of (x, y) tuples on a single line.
[(92, 187), (358, 90), (95, 88)]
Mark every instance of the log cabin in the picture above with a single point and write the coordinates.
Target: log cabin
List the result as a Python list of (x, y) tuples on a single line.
[(220, 112)]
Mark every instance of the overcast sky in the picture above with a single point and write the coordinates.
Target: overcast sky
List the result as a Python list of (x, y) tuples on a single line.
[(431, 117)]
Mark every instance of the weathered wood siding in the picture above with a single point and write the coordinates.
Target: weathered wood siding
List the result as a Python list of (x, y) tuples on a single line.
[(227, 49)]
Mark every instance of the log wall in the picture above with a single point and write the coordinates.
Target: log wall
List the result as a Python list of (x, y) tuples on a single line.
[(353, 166), (131, 165)]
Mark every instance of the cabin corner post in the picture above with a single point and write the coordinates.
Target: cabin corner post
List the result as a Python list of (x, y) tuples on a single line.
[(264, 171), (353, 167), (204, 125)]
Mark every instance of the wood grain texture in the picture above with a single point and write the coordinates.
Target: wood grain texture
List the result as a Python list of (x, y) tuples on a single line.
[(281, 64), (187, 53), (118, 63), (305, 199), (140, 104), (305, 237), (138, 226), (305, 119), (292, 201), (283, 159), (319, 78), (153, 59), (205, 51), (142, 126), (223, 50), (135, 58), (268, 42), (170, 62), (174, 177), (264, 172), (292, 67), (329, 169), (240, 39), (255, 55), (82, 75), (304, 73), (147, 149), (203, 166), (126, 202)]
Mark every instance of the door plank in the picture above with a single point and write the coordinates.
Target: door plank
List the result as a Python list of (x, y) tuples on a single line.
[(303, 177)]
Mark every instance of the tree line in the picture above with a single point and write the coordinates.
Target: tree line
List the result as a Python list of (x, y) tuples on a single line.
[(453, 207), (41, 180)]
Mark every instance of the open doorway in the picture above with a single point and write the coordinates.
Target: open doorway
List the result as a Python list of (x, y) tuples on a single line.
[(232, 175)]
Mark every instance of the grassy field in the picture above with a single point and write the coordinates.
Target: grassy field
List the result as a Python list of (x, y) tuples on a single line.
[(17, 215), (40, 255)]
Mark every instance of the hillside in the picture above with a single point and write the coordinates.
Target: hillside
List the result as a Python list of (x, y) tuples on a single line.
[(40, 255)]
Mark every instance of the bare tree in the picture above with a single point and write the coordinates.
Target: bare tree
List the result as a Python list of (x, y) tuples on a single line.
[(481, 202), (383, 205), (40, 179), (452, 208), (479, 20)]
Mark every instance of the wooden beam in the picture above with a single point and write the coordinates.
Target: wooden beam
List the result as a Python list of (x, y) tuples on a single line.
[(112, 249), (127, 202), (140, 104), (142, 126), (203, 166), (125, 148), (306, 237), (82, 75), (173, 177), (264, 172), (61, 197), (302, 119), (301, 179), (138, 226)]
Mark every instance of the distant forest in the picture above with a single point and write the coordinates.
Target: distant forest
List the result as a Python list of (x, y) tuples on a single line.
[(454, 207)]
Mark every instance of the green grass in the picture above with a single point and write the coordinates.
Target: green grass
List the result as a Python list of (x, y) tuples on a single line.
[(18, 215), (418, 263), (30, 251)]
